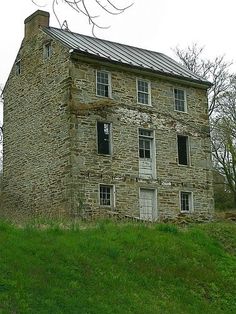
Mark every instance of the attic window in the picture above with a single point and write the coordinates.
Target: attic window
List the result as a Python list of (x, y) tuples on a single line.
[(18, 67), (47, 50)]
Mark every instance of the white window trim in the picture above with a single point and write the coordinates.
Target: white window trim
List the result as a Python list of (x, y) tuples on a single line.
[(113, 205), (185, 100), (109, 84), (154, 174), (191, 204), (110, 139), (188, 151), (149, 92), (155, 215)]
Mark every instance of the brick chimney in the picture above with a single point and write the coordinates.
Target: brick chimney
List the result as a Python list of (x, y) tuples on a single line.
[(34, 21)]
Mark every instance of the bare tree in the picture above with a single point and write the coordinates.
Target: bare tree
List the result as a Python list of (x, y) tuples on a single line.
[(217, 71), (84, 7), (222, 108), (224, 144)]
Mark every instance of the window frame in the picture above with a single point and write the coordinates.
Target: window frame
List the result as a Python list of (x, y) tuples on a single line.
[(190, 201), (47, 50), (148, 93), (112, 195), (109, 84), (185, 100), (152, 139), (187, 150), (110, 138)]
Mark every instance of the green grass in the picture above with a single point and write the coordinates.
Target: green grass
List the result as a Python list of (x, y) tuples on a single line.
[(118, 268)]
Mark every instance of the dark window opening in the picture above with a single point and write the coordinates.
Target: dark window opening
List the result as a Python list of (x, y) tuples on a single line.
[(183, 150), (103, 138)]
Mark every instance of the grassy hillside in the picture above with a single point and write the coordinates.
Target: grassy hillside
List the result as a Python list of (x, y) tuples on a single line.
[(117, 268)]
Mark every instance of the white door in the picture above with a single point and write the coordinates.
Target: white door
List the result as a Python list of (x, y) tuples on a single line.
[(146, 169), (147, 204)]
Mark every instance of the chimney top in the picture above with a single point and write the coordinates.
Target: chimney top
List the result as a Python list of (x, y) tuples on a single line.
[(34, 21)]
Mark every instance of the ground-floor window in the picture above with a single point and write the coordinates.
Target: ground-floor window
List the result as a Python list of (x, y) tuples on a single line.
[(186, 201), (106, 195)]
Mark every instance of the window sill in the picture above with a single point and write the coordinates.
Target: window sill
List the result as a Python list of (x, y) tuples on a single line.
[(104, 155), (180, 111), (142, 104), (105, 97)]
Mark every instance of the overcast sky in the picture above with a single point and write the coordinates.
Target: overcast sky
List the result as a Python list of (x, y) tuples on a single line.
[(152, 24)]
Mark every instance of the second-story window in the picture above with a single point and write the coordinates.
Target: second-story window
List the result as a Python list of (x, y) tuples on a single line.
[(103, 84), (104, 138), (183, 149), (180, 100), (143, 92)]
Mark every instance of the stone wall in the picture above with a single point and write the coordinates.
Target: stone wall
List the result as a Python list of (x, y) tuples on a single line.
[(121, 169), (51, 164), (36, 132)]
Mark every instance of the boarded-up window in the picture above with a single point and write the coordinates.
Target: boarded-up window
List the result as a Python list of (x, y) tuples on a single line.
[(183, 151), (103, 138)]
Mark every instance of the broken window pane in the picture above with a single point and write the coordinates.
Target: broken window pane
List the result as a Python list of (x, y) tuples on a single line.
[(103, 138)]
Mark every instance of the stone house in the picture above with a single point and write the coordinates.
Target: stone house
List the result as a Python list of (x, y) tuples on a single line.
[(93, 127)]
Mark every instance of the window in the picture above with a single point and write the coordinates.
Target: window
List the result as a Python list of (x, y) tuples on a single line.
[(107, 195), (180, 100), (18, 67), (145, 143), (47, 50), (186, 201), (146, 154), (183, 150), (103, 84), (143, 92), (104, 138)]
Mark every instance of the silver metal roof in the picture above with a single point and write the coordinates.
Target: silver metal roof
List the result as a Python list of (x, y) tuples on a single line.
[(124, 54)]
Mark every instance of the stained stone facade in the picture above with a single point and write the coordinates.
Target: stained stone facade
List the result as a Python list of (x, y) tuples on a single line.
[(53, 117)]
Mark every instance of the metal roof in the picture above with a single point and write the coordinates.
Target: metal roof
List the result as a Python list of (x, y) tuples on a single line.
[(124, 54)]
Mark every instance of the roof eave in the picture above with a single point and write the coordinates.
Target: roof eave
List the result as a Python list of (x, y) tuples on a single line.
[(205, 84)]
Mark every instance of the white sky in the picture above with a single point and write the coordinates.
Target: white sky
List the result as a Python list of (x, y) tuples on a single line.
[(152, 24)]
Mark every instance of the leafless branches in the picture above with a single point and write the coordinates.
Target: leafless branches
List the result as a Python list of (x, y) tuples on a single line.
[(222, 108), (84, 7), (217, 71)]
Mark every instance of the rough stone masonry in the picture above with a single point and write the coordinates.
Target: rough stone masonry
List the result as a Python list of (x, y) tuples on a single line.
[(84, 136)]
